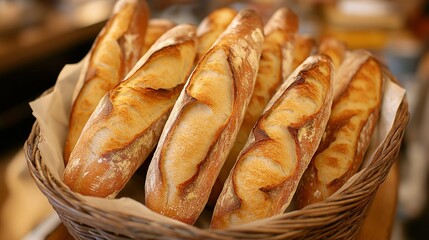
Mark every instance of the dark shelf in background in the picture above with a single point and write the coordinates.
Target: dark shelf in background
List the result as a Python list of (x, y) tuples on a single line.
[(25, 83)]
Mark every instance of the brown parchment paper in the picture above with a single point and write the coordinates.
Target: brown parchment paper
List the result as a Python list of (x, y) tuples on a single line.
[(52, 113)]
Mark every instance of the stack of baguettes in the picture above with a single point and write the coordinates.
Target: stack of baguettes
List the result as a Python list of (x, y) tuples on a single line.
[(242, 117)]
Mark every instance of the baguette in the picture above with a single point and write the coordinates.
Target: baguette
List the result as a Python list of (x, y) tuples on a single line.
[(302, 49), (204, 122), (278, 31), (126, 125), (335, 49), (156, 27), (348, 133), (279, 148), (294, 52), (211, 27), (338, 52), (114, 52)]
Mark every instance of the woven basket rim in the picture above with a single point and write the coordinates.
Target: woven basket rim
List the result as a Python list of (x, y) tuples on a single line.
[(318, 220)]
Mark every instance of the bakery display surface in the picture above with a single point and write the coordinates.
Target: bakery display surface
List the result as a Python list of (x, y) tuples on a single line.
[(150, 156)]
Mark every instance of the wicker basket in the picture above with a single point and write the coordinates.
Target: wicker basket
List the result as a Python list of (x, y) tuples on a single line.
[(339, 217)]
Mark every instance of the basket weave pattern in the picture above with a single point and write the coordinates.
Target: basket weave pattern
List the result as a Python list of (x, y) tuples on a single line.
[(338, 217)]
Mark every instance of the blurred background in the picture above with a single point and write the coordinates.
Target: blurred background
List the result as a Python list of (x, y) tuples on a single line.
[(38, 37)]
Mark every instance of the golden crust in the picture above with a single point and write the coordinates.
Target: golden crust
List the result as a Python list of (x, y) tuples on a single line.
[(211, 27), (335, 49), (347, 136), (127, 123), (156, 27), (283, 19), (302, 49), (114, 52), (279, 31), (204, 122), (279, 148)]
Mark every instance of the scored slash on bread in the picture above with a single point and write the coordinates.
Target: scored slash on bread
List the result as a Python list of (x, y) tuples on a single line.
[(279, 148), (126, 125), (279, 33), (114, 52), (348, 132), (204, 122)]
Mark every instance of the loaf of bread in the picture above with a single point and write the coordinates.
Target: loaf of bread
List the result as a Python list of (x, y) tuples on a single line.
[(114, 52), (211, 27), (348, 132), (335, 49), (156, 27), (204, 122), (279, 32), (126, 125), (303, 47), (338, 52), (279, 148)]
